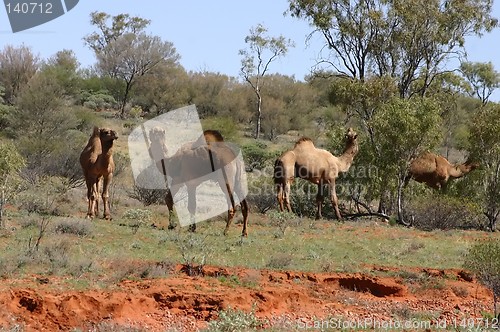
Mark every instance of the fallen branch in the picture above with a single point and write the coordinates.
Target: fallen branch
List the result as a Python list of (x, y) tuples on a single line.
[(368, 214)]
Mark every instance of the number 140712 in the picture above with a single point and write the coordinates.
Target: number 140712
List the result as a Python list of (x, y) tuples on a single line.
[(471, 323), (29, 8)]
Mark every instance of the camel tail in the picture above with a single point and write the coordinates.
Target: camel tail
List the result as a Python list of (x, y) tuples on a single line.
[(279, 172)]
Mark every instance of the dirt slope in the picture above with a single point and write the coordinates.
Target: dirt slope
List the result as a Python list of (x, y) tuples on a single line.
[(285, 299)]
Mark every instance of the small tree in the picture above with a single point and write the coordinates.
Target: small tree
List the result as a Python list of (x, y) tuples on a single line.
[(404, 129), (481, 80), (484, 140), (262, 51), (11, 162), (483, 259), (125, 52), (17, 66)]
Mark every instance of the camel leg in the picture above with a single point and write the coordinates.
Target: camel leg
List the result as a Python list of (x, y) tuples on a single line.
[(231, 206), (91, 196), (334, 199), (280, 195), (96, 191), (244, 212), (169, 201), (288, 189), (192, 207), (319, 200), (105, 195)]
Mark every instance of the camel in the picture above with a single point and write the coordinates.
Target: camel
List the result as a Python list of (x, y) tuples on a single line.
[(186, 166), (97, 163), (314, 165), (435, 171)]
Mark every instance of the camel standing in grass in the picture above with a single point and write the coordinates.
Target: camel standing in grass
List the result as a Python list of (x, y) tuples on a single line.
[(314, 165), (193, 161), (97, 163), (435, 171)]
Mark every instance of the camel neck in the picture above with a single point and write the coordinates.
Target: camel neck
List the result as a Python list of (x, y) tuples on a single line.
[(458, 171), (107, 147), (347, 157)]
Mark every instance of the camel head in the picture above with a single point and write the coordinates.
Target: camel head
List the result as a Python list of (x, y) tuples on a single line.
[(351, 135), (351, 142), (157, 147), (157, 135), (107, 134), (469, 166)]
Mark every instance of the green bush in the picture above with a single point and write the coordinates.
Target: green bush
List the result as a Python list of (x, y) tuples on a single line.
[(483, 259), (75, 227), (97, 101), (282, 220), (436, 211), (257, 156), (138, 217), (225, 125), (232, 320), (261, 193)]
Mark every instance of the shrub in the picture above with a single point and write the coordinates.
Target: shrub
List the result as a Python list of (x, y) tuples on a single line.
[(98, 101), (261, 193), (195, 252), (146, 188), (225, 125), (44, 195), (231, 320), (483, 259), (280, 261), (137, 217), (444, 212), (76, 227), (148, 196), (281, 220), (257, 155)]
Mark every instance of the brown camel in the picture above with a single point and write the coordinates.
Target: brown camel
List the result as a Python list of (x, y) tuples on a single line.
[(435, 171), (193, 161), (314, 165), (97, 163)]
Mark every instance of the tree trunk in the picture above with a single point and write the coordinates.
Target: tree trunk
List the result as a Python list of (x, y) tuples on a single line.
[(400, 202), (125, 98), (259, 116)]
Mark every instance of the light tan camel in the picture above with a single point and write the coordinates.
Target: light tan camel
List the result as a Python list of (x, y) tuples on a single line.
[(97, 163), (435, 171), (314, 165), (193, 161)]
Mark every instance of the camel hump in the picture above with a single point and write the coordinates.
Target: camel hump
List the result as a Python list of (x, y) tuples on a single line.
[(212, 135), (303, 140), (96, 131)]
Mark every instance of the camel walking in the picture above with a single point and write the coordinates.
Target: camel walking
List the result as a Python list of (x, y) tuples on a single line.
[(435, 171), (315, 165), (195, 160), (97, 163)]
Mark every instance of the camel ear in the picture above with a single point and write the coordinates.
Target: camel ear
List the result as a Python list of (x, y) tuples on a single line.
[(96, 131)]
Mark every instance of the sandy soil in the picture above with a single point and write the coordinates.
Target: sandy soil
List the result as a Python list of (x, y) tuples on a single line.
[(284, 299)]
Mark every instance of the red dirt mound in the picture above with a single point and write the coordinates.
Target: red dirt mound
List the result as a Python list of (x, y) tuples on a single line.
[(187, 302)]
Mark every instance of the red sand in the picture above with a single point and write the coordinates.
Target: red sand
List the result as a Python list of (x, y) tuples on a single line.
[(186, 303)]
